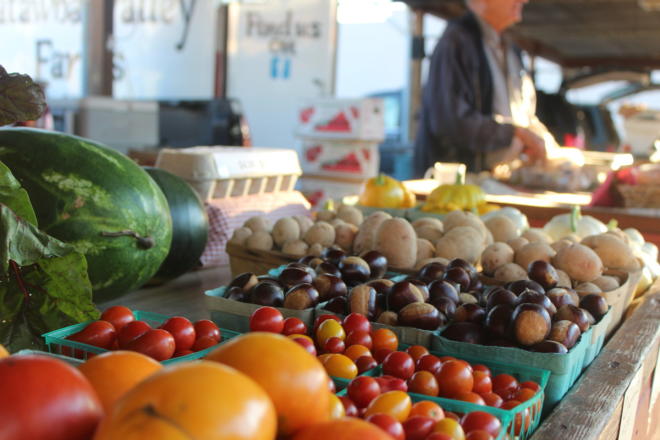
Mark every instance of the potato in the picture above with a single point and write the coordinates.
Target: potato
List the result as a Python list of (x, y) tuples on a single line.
[(495, 256), (423, 263), (465, 218), (532, 252), (322, 233), (260, 240), (618, 233), (240, 236), (510, 272), (428, 221), (579, 262), (304, 223), (336, 222), (350, 214), (564, 279), (425, 249), (606, 283), (517, 243), (325, 215), (344, 236), (285, 229), (365, 238), (397, 241), (295, 247), (613, 252), (316, 250), (429, 232), (502, 228), (258, 223), (561, 244), (535, 235), (461, 242), (584, 289)]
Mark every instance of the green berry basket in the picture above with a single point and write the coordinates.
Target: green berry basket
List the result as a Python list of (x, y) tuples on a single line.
[(57, 343)]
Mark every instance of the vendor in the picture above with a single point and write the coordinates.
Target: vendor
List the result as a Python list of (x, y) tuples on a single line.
[(479, 104)]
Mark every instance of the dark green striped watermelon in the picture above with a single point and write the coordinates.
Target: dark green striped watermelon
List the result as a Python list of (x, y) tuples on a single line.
[(96, 199), (190, 225)]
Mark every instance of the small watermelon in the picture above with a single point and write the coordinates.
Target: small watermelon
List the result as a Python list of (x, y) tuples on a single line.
[(97, 200)]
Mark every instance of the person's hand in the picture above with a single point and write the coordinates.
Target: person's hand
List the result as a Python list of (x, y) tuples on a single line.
[(534, 145)]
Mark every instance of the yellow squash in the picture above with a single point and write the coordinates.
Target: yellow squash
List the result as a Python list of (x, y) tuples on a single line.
[(385, 192), (458, 196)]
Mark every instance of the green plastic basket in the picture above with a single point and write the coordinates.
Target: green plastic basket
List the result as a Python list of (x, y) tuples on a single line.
[(69, 360), (56, 340)]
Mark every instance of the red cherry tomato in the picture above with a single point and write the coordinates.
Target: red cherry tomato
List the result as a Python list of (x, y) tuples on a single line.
[(481, 420), (130, 331), (430, 363), (98, 333), (319, 320), (307, 345), (365, 363), (381, 353), (520, 416), (182, 330), (359, 337), (478, 435), (206, 328), (203, 343), (423, 382), (356, 322), (362, 390), (182, 353), (480, 367), (447, 358), (118, 316), (391, 383), (266, 319), (388, 424), (531, 385), (439, 436), (416, 352), (157, 343), (334, 345), (505, 385), (418, 427), (492, 399), (524, 394), (470, 396), (482, 382), (349, 406), (454, 377), (399, 364), (294, 326)]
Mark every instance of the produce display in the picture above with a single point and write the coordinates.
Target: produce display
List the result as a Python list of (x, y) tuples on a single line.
[(459, 196)]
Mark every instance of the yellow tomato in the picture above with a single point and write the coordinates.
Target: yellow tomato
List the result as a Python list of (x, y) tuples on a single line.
[(338, 365), (450, 427), (395, 403), (296, 336), (329, 329), (337, 410)]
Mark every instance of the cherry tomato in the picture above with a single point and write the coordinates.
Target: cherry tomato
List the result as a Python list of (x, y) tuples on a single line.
[(426, 408), (182, 330), (337, 410), (331, 385), (324, 357), (131, 331), (349, 407), (447, 358), (454, 378), (334, 345), (531, 385), (391, 383), (362, 390), (296, 336), (480, 367), (205, 327), (478, 435), (356, 351), (399, 364), (430, 363), (359, 337), (365, 363), (492, 399), (307, 345), (450, 427), (384, 338), (356, 321), (329, 329), (524, 394), (266, 319), (395, 403), (203, 343), (416, 352), (470, 396), (157, 343), (518, 421), (325, 317), (418, 427), (294, 326), (338, 365), (118, 316), (381, 353), (452, 415), (423, 382), (100, 334), (505, 385), (182, 353), (439, 436), (482, 382), (481, 420), (388, 424)]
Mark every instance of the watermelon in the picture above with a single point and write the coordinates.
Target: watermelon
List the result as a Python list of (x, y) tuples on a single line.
[(97, 200), (190, 225)]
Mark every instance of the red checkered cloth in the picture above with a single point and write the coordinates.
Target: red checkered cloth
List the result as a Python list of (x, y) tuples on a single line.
[(228, 214)]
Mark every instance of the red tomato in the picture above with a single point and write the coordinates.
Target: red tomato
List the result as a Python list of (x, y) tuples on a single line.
[(399, 364), (454, 377), (478, 435), (390, 383), (98, 333), (381, 353), (320, 319), (307, 345), (182, 330), (349, 406), (131, 331), (479, 367), (365, 363), (355, 322), (531, 385), (157, 343), (447, 358), (362, 390), (423, 382), (182, 353), (266, 319), (47, 399), (452, 415), (418, 427), (430, 363), (439, 436), (482, 383), (470, 397), (334, 345), (518, 421), (481, 420), (203, 343), (505, 385), (206, 328), (492, 399), (359, 337), (118, 316), (293, 326), (388, 424), (416, 352), (524, 394)]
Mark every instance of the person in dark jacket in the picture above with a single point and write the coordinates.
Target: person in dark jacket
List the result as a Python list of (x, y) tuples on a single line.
[(478, 105)]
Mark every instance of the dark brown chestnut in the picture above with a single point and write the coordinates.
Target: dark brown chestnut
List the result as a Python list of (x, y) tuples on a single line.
[(533, 297), (560, 297), (235, 293), (381, 285), (520, 286), (244, 281), (500, 296), (328, 268), (421, 286), (362, 299), (565, 332), (421, 315), (543, 273), (475, 284), (594, 304), (464, 332), (498, 320), (354, 271), (549, 347), (531, 324), (444, 305), (334, 255), (377, 263), (381, 303), (458, 276), (266, 293), (470, 313), (574, 314), (261, 278), (338, 305), (306, 259), (431, 272), (466, 266), (300, 297), (292, 276), (316, 261), (441, 288), (329, 286), (401, 294)]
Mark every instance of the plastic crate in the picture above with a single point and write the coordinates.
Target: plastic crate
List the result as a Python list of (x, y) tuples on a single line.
[(56, 340), (69, 360)]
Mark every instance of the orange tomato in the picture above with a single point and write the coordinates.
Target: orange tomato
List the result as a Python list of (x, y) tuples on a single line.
[(417, 351), (336, 407), (395, 403), (348, 428), (423, 382), (3, 352), (454, 377), (469, 396), (329, 329), (426, 408), (384, 338), (356, 351), (338, 365), (450, 427)]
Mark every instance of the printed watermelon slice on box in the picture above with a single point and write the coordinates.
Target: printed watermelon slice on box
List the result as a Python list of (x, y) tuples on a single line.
[(348, 164), (339, 123), (313, 153), (306, 114)]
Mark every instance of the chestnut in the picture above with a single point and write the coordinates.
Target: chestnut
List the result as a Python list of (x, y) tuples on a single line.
[(565, 332), (388, 318), (333, 255), (381, 303), (422, 287), (300, 297), (458, 276), (328, 268), (354, 270), (441, 288), (500, 296), (431, 272), (531, 324), (520, 286), (560, 297), (532, 297), (498, 320), (543, 273), (362, 299), (475, 284), (338, 305), (244, 281), (261, 278), (470, 313), (306, 259), (292, 276), (468, 298), (421, 315), (329, 286), (594, 304), (381, 285), (549, 347), (466, 266), (464, 332), (235, 293), (444, 305), (377, 263), (574, 314), (266, 293), (315, 262), (401, 294)]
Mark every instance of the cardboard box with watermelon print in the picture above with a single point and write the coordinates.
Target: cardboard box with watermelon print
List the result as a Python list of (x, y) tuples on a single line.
[(347, 119), (356, 159)]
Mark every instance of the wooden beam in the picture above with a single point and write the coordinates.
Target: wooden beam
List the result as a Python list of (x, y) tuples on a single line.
[(417, 42), (98, 65)]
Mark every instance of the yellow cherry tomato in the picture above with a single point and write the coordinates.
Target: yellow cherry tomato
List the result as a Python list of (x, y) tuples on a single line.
[(450, 427), (296, 335), (395, 403), (324, 357), (329, 329), (338, 365), (337, 410)]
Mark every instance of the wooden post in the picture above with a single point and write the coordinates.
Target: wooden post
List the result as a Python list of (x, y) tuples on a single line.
[(417, 56), (97, 80)]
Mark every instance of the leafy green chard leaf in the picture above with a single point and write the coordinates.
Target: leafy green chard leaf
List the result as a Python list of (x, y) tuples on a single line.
[(14, 196), (21, 99), (44, 285)]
